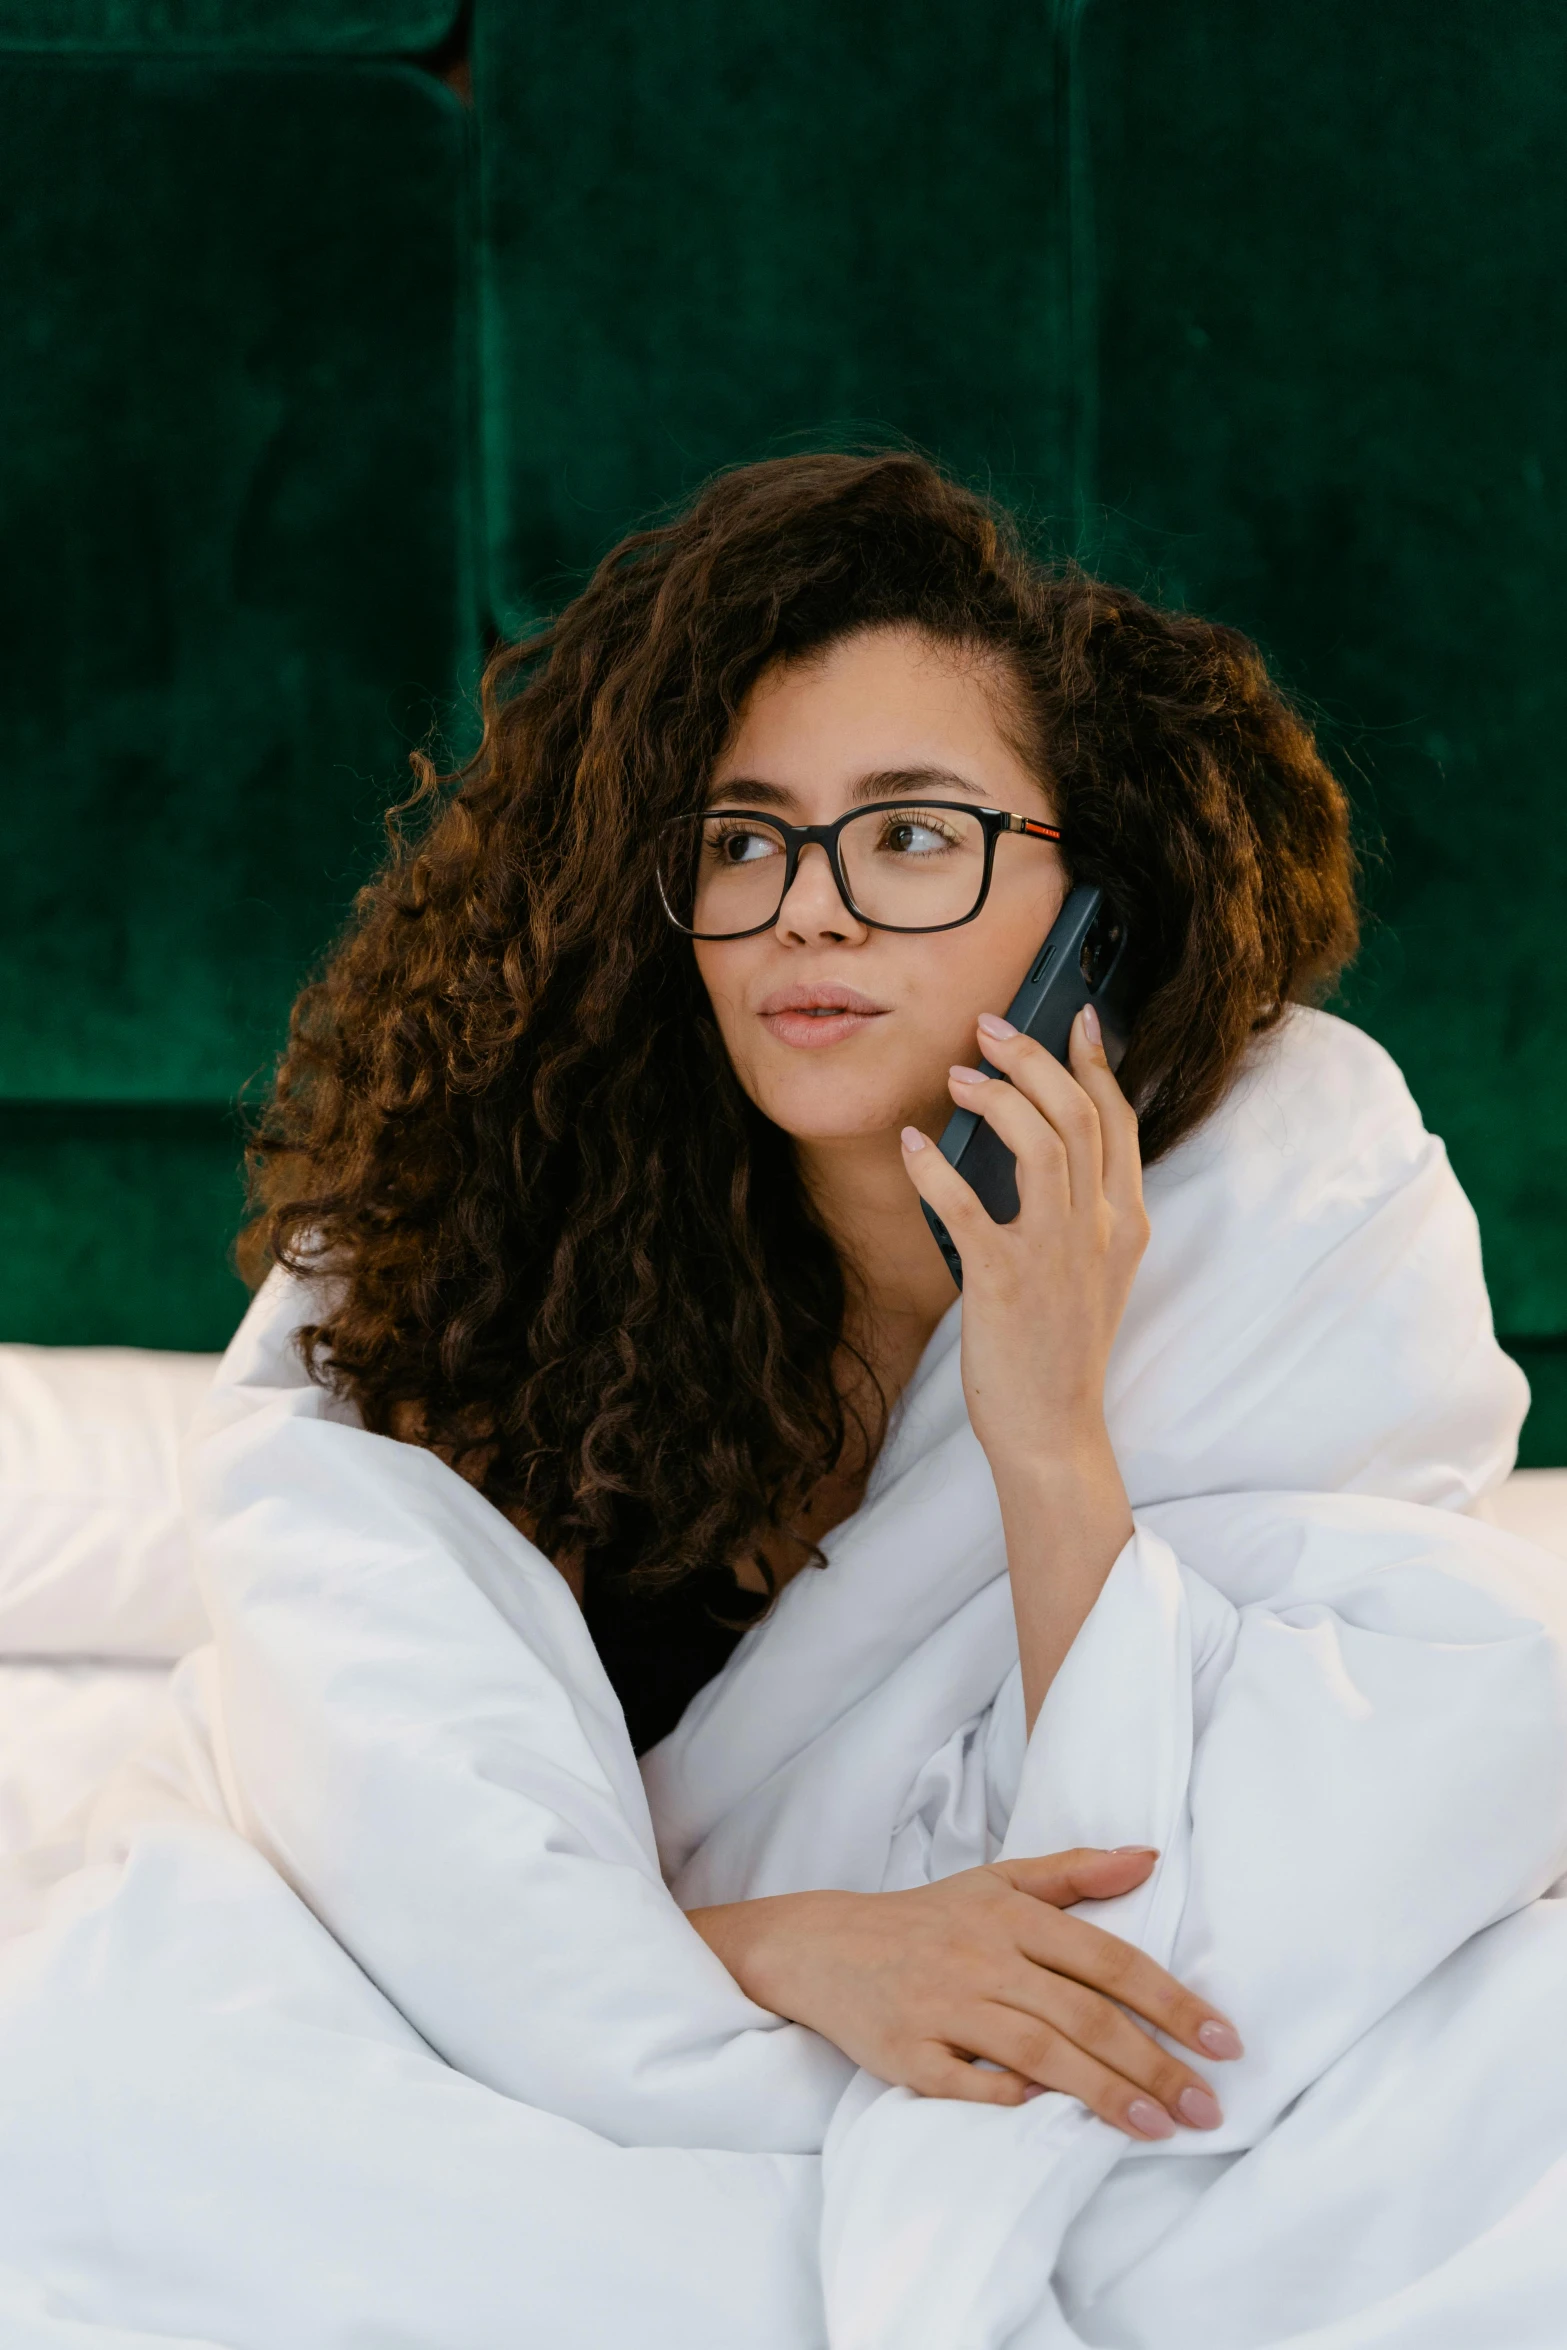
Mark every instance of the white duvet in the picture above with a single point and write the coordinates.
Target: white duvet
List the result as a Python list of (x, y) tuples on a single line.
[(361, 2011)]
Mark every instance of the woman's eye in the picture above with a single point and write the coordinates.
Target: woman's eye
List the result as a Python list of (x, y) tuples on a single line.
[(743, 848), (908, 839)]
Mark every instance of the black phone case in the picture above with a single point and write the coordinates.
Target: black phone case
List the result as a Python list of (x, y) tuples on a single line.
[(1085, 960)]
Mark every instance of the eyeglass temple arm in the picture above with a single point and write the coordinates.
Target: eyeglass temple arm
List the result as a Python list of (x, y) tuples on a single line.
[(1034, 830)]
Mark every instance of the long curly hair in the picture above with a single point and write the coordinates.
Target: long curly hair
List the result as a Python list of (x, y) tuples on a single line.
[(562, 1236)]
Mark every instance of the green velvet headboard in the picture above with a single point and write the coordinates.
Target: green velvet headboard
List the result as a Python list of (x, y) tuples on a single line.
[(225, 28), (1333, 407), (712, 232), (1252, 301), (235, 474)]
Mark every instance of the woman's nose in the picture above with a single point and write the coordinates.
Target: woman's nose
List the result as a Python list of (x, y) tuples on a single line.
[(813, 906)]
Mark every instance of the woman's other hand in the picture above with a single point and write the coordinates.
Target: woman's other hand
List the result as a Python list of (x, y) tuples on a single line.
[(1043, 1298), (985, 1964)]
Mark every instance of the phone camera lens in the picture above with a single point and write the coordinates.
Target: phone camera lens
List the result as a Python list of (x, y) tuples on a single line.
[(1099, 952)]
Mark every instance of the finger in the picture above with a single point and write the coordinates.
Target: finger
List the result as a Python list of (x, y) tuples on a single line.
[(954, 1200), (1044, 1171), (1070, 1946), (941, 2072), (1052, 2061), (1104, 2032), (1123, 1164), (1085, 1874), (1056, 1094)]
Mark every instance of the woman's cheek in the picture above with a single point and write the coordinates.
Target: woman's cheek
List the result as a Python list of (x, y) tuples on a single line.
[(724, 986)]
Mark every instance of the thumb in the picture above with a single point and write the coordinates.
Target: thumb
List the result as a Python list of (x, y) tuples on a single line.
[(1085, 1874)]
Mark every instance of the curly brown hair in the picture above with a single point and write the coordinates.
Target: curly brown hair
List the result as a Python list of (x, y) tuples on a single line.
[(565, 1238)]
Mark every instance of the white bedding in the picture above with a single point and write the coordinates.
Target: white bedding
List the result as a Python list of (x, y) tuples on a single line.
[(97, 1590), (63, 1729), (65, 1725), (357, 2012), (94, 1551)]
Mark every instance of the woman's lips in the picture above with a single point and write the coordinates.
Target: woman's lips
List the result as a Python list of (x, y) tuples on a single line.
[(817, 1016)]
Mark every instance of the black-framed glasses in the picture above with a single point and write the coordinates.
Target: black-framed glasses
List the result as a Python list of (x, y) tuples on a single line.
[(898, 864)]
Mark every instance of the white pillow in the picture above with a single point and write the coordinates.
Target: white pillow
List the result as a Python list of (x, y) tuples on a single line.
[(93, 1553)]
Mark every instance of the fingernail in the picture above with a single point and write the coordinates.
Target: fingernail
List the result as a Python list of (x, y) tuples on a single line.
[(1035, 2089), (962, 1076), (1219, 2039), (1149, 2120), (913, 1140), (1091, 1024), (1152, 1850), (1200, 2108), (992, 1024)]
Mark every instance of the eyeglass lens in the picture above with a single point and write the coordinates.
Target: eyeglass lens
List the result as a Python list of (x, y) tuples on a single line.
[(914, 868)]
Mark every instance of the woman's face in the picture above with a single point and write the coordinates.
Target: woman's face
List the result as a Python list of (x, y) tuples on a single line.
[(835, 1030)]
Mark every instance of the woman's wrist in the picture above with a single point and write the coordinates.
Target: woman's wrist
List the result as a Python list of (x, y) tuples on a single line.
[(1065, 1462), (1065, 1518), (754, 1940)]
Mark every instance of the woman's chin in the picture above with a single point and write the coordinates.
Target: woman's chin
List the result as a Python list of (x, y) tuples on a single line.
[(852, 1119)]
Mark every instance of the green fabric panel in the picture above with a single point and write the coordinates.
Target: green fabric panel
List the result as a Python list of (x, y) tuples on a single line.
[(227, 27), (117, 1225), (234, 495), (1544, 1441), (717, 230), (235, 435), (1334, 410)]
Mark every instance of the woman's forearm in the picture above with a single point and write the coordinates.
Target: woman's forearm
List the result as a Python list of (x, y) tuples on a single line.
[(1066, 1519), (1043, 1297)]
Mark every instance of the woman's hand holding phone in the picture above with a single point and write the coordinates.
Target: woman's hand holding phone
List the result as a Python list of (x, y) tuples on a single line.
[(1043, 1297)]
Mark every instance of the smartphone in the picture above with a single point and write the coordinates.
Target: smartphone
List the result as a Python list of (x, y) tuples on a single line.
[(1086, 959)]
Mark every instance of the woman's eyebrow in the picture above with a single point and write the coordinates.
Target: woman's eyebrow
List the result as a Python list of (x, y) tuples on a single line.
[(747, 791), (881, 783), (892, 783)]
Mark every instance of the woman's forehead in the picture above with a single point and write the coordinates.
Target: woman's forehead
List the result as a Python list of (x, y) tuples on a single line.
[(874, 716)]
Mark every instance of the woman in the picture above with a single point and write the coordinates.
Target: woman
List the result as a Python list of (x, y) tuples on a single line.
[(600, 1157), (610, 1129)]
